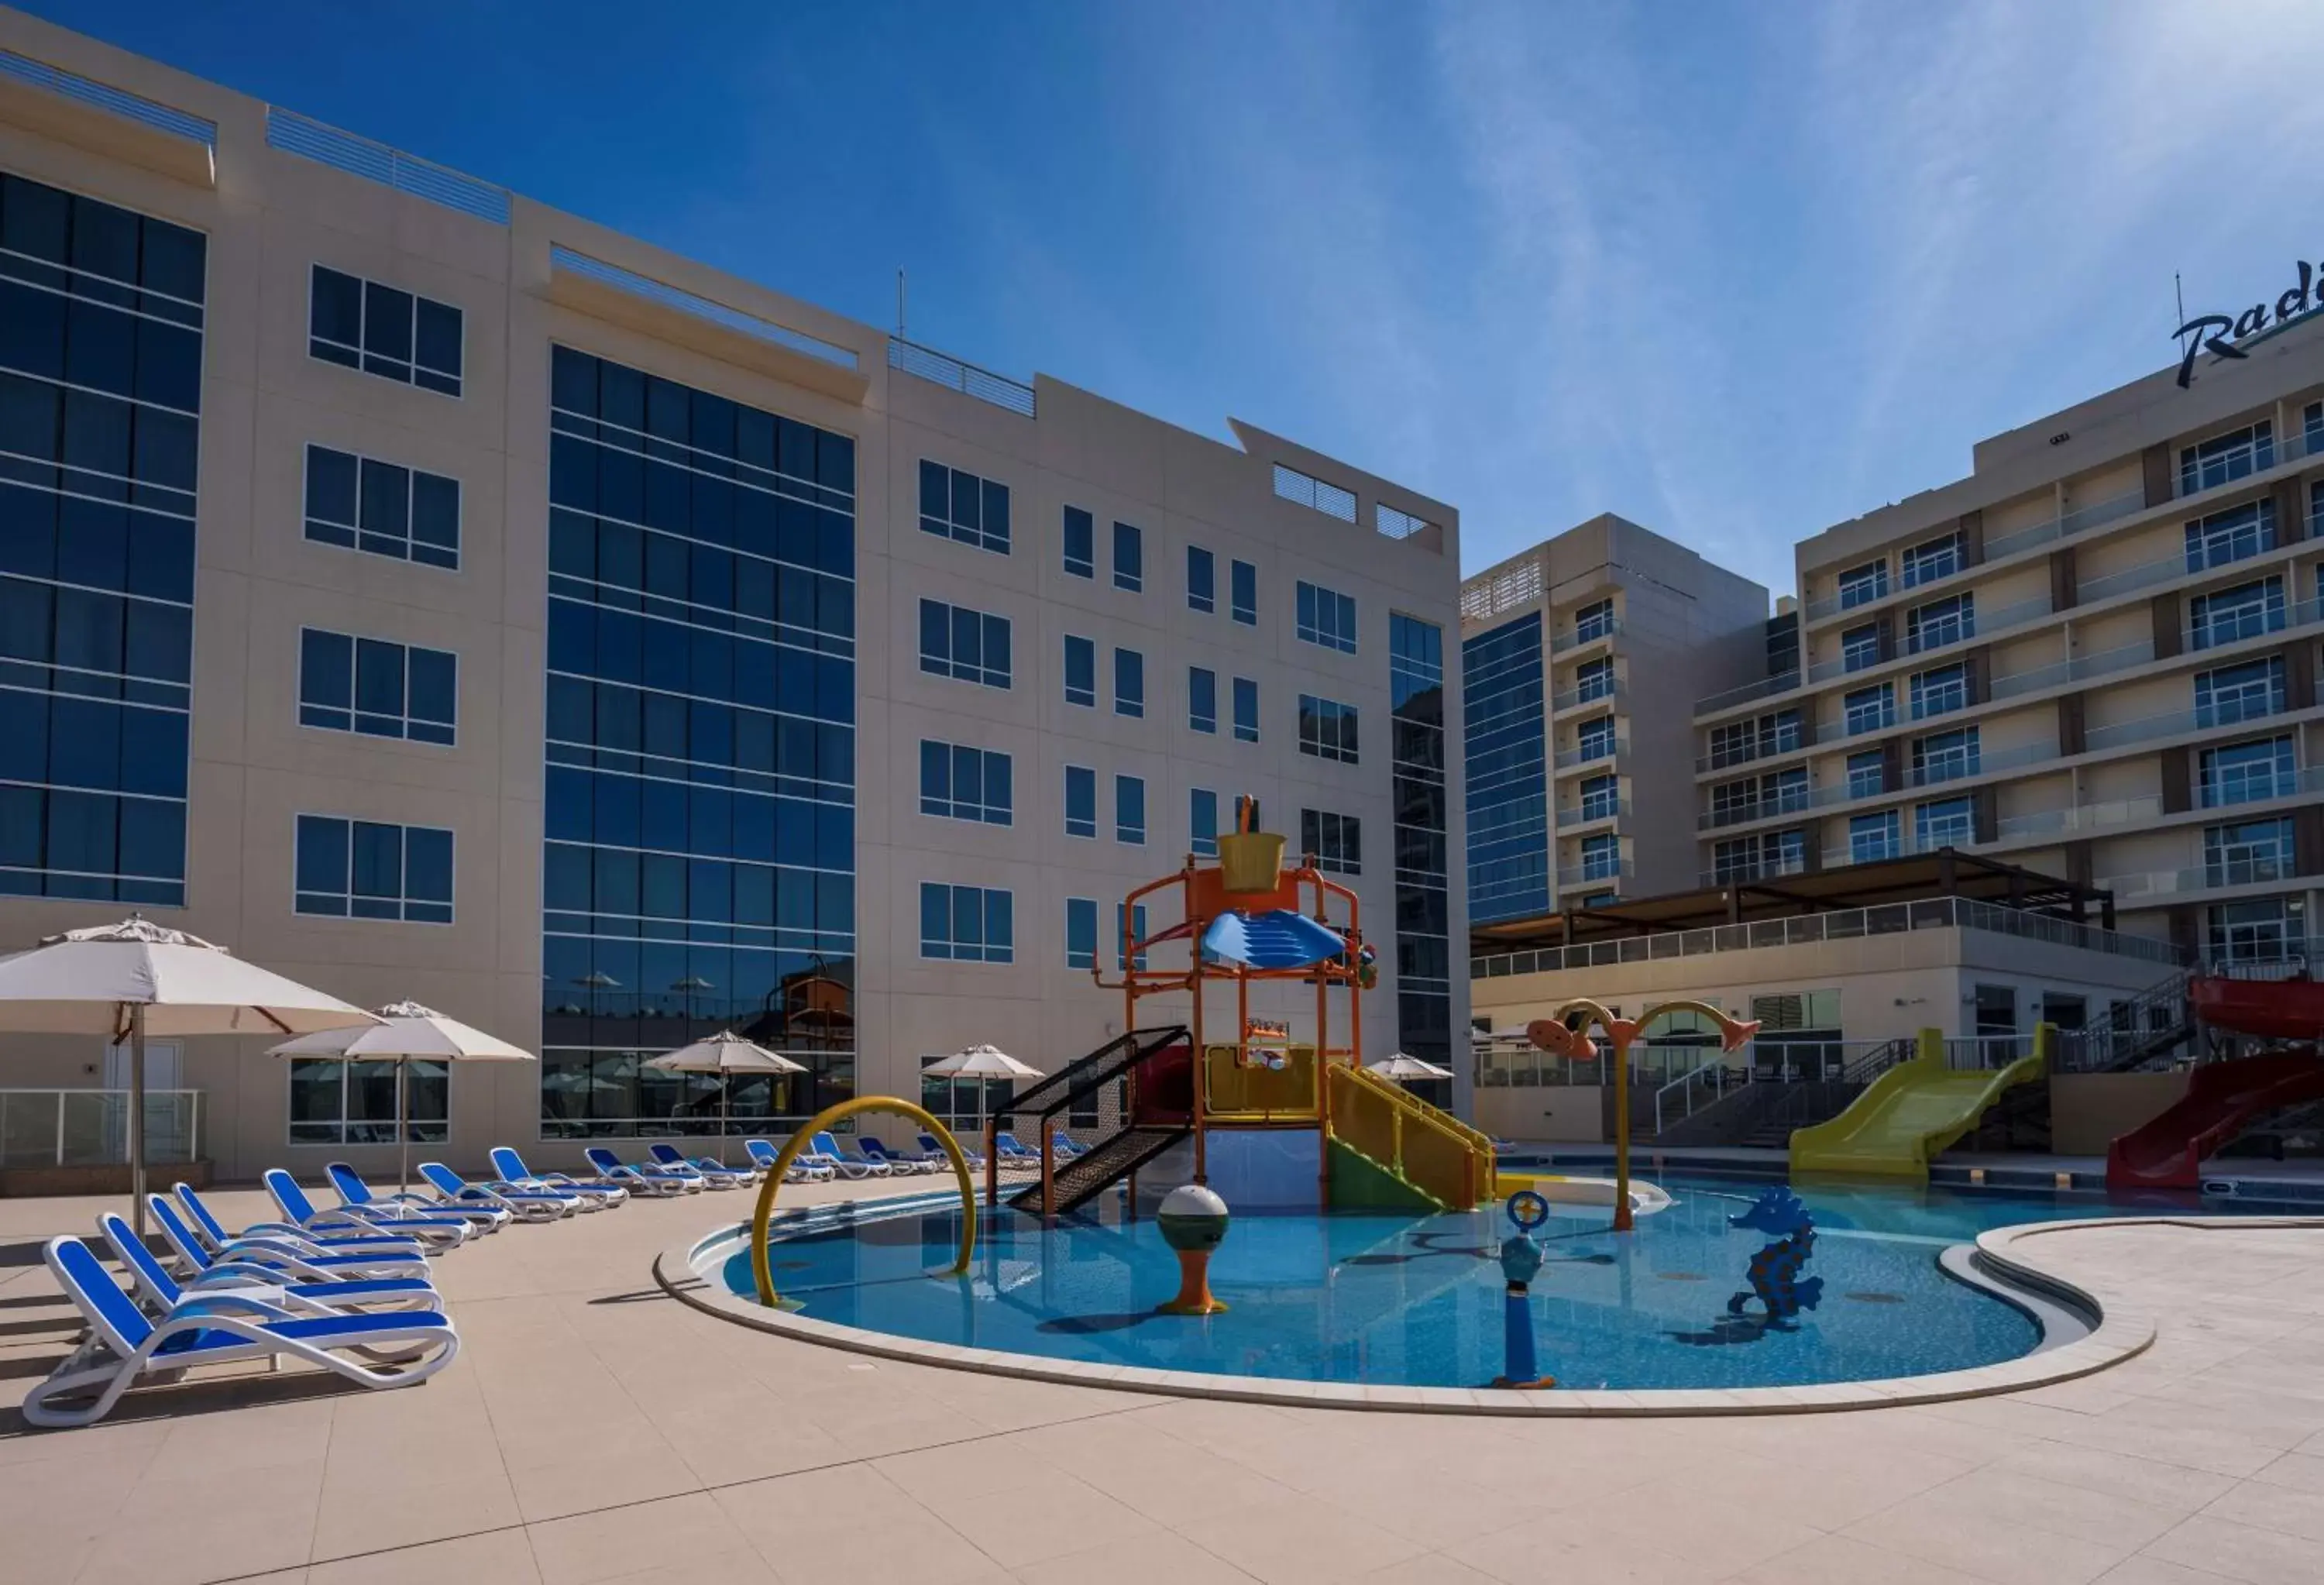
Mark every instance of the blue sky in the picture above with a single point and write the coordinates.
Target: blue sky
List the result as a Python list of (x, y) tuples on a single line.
[(1735, 271)]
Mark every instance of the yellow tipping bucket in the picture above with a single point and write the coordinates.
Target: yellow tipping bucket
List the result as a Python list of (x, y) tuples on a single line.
[(1251, 860)]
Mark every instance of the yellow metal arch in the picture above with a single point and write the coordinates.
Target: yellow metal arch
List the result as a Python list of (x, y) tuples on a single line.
[(762, 1268)]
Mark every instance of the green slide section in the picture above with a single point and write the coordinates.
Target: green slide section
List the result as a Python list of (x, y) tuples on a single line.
[(1911, 1113), (1360, 1183)]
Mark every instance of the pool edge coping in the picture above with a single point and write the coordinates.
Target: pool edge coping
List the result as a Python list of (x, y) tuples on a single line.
[(2120, 1334)]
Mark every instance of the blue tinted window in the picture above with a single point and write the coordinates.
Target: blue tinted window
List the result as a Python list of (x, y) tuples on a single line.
[(1202, 579), (368, 869), (958, 505), (1326, 618), (382, 330), (1080, 672), (1081, 801), (377, 688), (1202, 699), (1246, 710), (970, 646), (1080, 543), (1202, 817), (1128, 558), (1130, 809), (1327, 729), (1242, 590), (962, 783), (360, 503), (1128, 683), (967, 923), (1081, 932)]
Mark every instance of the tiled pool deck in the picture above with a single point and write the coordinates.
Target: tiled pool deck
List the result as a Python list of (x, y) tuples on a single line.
[(595, 1429)]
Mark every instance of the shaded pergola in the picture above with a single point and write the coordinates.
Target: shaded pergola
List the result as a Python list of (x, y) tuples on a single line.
[(1946, 872)]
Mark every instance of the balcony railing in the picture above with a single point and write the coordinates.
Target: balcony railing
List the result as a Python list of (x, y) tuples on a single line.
[(90, 1128), (2060, 672), (1781, 743), (1584, 813), (1587, 693), (1574, 638), (2173, 722), (2234, 627), (2227, 870), (1936, 912), (1857, 723), (2079, 817), (2257, 786), (1739, 872), (1791, 800), (1782, 683), (1590, 753), (1587, 874)]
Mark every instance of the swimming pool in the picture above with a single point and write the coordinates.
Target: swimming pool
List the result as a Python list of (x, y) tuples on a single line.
[(1389, 1300)]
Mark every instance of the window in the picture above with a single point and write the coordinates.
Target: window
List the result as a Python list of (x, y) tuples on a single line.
[(2225, 457), (1601, 797), (1730, 801), (1130, 810), (1869, 709), (2243, 611), (1242, 592), (1203, 820), (339, 1102), (1602, 857), (1397, 525), (1132, 924), (1128, 558), (1939, 691), (2252, 691), (1080, 672), (1309, 490), (2262, 930), (961, 783), (362, 325), (1867, 774), (1939, 623), (1081, 801), (963, 644), (1202, 579), (1594, 621), (379, 689), (1202, 699), (1861, 586), (1948, 822), (1945, 756), (1872, 836), (1128, 683), (1246, 710), (362, 869), (1081, 544), (967, 923), (2233, 535), (959, 506), (2249, 853), (363, 505), (1937, 558), (1594, 679), (1081, 932), (1776, 732), (1327, 728), (1326, 618), (2246, 773), (1860, 646), (1594, 739), (1748, 858), (1337, 840), (1782, 791)]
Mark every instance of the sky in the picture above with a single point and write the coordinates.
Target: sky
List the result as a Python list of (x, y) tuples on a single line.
[(1735, 271)]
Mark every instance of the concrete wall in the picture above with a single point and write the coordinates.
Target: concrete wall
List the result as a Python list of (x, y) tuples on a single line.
[(2087, 1111), (1561, 1114)]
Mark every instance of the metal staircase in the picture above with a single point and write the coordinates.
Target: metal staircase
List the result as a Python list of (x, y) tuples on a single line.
[(1139, 1087), (1111, 1159), (2157, 1025)]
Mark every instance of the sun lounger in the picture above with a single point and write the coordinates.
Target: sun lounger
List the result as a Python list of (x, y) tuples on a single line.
[(438, 1233), (388, 1210), (122, 1345), (597, 1194), (718, 1175), (151, 1281), (801, 1171), (524, 1204), (928, 1146), (1011, 1150), (290, 1260), (642, 1180), (371, 1242), (828, 1151), (873, 1150)]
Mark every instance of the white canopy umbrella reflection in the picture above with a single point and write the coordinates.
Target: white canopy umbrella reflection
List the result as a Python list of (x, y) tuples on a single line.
[(406, 1032), (127, 980), (723, 1053), (979, 1063)]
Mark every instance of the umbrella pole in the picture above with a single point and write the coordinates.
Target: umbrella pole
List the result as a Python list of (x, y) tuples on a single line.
[(137, 1116), (402, 1131)]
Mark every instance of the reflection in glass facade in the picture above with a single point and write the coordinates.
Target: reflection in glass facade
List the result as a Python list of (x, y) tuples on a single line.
[(699, 865), (1423, 995), (101, 326), (1504, 714)]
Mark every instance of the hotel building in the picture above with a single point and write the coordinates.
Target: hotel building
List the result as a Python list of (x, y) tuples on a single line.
[(430, 594)]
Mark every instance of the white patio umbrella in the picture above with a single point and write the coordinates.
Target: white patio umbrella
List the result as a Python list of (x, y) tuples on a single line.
[(406, 1032), (724, 1053), (979, 1063), (136, 978), (1401, 1067)]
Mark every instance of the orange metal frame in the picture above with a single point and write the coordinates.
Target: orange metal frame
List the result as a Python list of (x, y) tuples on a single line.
[(1203, 898)]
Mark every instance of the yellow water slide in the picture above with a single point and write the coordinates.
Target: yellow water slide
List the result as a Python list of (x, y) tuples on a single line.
[(1406, 1144), (1911, 1113)]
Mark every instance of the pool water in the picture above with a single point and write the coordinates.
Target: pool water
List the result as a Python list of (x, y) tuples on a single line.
[(1392, 1300)]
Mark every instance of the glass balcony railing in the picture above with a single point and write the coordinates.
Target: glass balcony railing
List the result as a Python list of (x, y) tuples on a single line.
[(2251, 622), (2046, 824), (1588, 693), (1592, 809), (1588, 633), (2058, 673), (1594, 873), (1765, 687), (2176, 723), (1761, 747), (90, 1128), (2226, 869), (1591, 753)]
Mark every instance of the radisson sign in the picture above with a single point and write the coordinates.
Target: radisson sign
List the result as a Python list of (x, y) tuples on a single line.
[(2296, 303)]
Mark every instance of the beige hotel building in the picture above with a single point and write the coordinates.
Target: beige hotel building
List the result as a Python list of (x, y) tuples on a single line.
[(428, 594)]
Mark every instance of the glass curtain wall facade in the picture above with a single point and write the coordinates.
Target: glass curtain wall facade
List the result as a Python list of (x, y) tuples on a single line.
[(700, 847), (1424, 958), (101, 331), (1505, 738)]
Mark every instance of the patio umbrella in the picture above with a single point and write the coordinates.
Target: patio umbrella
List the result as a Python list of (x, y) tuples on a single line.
[(724, 1053), (406, 1032), (979, 1062), (136, 978), (1400, 1066)]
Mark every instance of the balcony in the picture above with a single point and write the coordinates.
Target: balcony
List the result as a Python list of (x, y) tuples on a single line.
[(2227, 869), (2234, 627), (1857, 723), (1787, 800), (1792, 800), (1781, 743), (2062, 526), (1945, 636), (1594, 872), (1903, 845), (1589, 632), (1741, 872), (2081, 667), (1589, 811), (1784, 683), (2078, 819), (2177, 723), (1588, 694), (2256, 785), (1592, 753)]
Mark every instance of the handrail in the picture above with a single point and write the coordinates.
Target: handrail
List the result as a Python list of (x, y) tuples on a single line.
[(1411, 1109), (1684, 1083)]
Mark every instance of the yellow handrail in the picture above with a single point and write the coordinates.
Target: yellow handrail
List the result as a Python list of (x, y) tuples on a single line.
[(1407, 1112), (762, 1271)]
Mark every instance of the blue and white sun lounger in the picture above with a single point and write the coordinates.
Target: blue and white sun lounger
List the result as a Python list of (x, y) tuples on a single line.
[(801, 1169), (719, 1175), (438, 1232), (880, 1154), (661, 1181), (286, 1261), (595, 1194), (151, 1281), (454, 1192), (929, 1148), (372, 1245), (389, 1210), (1011, 1150), (827, 1153), (122, 1345)]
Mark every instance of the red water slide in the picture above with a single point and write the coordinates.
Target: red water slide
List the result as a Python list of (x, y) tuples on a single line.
[(2167, 1151)]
